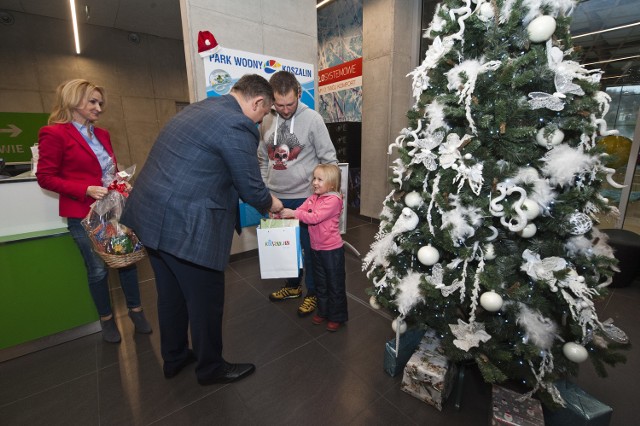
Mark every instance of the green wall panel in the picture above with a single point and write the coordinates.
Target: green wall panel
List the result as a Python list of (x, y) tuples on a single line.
[(43, 289)]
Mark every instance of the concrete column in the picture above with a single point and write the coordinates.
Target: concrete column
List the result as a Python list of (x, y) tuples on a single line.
[(391, 35)]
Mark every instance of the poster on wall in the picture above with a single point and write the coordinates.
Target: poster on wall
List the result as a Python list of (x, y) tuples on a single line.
[(340, 90), (223, 68)]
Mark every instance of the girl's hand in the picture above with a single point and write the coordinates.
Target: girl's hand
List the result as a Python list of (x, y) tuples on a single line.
[(287, 214)]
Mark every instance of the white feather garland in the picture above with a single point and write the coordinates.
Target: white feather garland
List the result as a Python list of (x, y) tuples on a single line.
[(563, 164), (408, 293), (540, 330), (461, 221)]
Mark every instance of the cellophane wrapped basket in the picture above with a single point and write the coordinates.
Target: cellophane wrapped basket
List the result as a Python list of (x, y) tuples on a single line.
[(115, 243)]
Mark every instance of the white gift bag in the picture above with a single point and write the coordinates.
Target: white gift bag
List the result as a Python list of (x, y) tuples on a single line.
[(279, 248)]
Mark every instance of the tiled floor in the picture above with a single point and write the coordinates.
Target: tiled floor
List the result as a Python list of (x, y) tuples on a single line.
[(304, 375)]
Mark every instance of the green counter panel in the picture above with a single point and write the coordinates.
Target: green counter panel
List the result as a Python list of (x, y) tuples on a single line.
[(43, 289)]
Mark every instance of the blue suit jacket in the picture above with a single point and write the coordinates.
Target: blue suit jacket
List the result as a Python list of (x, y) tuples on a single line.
[(185, 199)]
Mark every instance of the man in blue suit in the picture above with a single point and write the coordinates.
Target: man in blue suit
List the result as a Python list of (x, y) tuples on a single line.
[(183, 208)]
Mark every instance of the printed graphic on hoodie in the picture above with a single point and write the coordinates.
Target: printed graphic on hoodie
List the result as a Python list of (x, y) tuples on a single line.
[(283, 149)]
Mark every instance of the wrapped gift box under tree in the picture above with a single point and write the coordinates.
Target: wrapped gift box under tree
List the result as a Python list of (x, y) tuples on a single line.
[(511, 408), (429, 374), (582, 409), (397, 353)]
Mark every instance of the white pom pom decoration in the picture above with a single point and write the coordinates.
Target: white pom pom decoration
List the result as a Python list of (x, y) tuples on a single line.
[(489, 252), (374, 303), (403, 325), (575, 352), (528, 231), (554, 138), (486, 12), (531, 209), (413, 199), (428, 255), (541, 28), (491, 301)]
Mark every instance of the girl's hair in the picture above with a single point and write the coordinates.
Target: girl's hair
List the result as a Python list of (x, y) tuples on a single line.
[(71, 95), (331, 174)]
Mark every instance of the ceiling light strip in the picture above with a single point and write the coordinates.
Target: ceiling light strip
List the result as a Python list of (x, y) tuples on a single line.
[(322, 3), (72, 4), (621, 27), (614, 60), (614, 76)]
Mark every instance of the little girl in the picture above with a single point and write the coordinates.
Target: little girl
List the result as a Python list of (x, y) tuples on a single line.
[(321, 212)]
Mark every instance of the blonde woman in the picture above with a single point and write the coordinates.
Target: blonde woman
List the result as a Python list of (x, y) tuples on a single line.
[(74, 157)]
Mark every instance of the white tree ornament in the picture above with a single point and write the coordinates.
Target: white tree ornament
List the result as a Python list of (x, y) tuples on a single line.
[(541, 28), (579, 223)]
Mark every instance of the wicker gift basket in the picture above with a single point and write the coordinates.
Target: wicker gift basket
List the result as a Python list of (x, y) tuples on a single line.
[(122, 260), (115, 243)]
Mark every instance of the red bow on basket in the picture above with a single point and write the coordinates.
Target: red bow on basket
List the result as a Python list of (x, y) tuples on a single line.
[(120, 187)]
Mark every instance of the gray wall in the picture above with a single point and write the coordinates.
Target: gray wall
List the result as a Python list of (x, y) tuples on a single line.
[(143, 81), (281, 28)]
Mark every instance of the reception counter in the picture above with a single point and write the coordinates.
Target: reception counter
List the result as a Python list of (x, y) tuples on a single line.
[(44, 298)]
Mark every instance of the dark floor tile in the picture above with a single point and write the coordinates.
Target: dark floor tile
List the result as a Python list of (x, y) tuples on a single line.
[(262, 336), (73, 402), (246, 267), (135, 392), (223, 407), (369, 331), (35, 372), (308, 387), (241, 297), (231, 275), (381, 413)]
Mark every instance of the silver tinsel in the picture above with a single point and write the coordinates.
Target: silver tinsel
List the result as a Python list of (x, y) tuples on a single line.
[(613, 333)]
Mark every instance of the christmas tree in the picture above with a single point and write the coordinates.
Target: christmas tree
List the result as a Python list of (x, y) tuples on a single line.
[(488, 236)]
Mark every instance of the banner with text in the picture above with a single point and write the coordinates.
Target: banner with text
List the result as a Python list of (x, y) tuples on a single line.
[(224, 68), (347, 75)]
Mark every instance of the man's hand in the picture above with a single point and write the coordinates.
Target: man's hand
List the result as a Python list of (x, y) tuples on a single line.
[(276, 205)]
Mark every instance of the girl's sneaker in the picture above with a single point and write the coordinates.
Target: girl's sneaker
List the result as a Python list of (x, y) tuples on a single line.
[(333, 326), (317, 319)]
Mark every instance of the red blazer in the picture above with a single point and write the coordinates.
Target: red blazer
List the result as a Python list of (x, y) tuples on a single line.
[(67, 165)]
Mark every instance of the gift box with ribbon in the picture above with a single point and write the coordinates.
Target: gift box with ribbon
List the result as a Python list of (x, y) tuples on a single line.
[(429, 374)]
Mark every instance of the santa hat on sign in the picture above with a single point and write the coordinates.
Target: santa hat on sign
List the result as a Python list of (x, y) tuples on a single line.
[(207, 44)]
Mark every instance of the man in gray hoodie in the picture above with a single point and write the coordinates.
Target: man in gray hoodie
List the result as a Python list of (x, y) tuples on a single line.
[(293, 140)]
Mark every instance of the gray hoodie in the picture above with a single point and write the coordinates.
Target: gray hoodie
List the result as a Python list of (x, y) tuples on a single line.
[(287, 159)]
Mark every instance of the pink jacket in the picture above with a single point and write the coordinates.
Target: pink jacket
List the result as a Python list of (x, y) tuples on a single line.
[(322, 214)]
